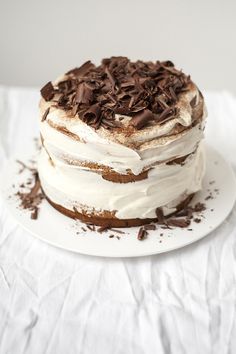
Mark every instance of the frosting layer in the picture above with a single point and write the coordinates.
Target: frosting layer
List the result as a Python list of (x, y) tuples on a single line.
[(119, 157), (165, 186)]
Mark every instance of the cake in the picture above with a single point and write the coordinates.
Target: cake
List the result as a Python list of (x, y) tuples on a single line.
[(121, 142)]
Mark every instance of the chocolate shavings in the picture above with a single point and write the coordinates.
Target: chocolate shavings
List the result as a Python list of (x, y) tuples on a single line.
[(47, 91), (45, 114), (145, 91)]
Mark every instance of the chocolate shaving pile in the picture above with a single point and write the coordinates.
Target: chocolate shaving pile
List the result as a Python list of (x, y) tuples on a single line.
[(31, 199), (145, 91), (180, 219)]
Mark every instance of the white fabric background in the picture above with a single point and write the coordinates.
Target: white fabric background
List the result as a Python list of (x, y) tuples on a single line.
[(53, 301)]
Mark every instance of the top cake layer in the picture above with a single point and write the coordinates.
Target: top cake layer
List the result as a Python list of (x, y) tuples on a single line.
[(126, 102)]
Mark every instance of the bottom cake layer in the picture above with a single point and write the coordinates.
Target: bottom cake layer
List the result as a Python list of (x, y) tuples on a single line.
[(104, 220)]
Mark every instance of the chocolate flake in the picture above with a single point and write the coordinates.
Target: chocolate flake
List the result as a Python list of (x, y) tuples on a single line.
[(199, 207), (34, 214), (118, 231), (142, 234), (45, 114), (83, 94), (47, 91), (150, 227), (82, 70), (103, 229), (178, 222), (141, 119), (92, 114), (197, 220), (91, 227), (160, 216)]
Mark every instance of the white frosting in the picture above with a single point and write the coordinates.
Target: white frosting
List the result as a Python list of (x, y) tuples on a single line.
[(98, 150), (166, 185)]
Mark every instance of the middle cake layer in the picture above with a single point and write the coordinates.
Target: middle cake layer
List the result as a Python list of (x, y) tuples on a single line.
[(98, 153)]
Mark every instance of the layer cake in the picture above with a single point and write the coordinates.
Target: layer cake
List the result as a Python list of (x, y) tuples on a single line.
[(121, 141)]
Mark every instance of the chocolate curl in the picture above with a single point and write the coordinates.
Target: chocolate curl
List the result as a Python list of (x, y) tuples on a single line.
[(167, 114), (160, 216), (84, 94), (142, 234), (82, 70), (141, 119), (178, 222), (45, 114), (47, 91), (92, 114), (111, 78)]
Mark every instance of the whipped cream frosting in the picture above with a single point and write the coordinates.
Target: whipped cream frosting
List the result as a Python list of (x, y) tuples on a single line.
[(166, 185), (119, 157)]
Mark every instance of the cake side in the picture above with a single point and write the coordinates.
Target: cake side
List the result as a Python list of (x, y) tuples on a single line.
[(165, 187)]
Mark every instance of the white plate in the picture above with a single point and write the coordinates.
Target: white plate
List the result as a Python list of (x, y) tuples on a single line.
[(61, 231)]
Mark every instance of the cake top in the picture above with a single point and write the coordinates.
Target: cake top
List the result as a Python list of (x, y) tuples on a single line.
[(147, 92)]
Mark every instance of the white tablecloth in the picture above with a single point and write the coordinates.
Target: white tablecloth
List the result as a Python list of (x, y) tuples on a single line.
[(57, 302)]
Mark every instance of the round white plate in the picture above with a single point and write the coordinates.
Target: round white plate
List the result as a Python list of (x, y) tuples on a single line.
[(61, 231)]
